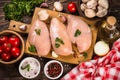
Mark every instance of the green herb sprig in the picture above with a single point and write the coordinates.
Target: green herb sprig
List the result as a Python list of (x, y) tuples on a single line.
[(26, 67), (38, 31), (32, 48), (77, 33), (85, 55), (18, 8), (58, 42), (57, 45)]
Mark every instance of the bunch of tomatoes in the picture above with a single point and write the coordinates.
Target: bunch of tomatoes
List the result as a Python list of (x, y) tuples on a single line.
[(9, 47)]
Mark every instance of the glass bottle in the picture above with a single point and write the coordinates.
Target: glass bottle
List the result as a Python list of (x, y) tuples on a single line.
[(109, 30)]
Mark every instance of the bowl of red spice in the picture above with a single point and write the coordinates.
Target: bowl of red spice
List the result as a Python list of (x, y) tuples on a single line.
[(53, 69)]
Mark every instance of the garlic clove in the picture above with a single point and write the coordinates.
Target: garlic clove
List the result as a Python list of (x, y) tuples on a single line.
[(23, 27), (54, 54)]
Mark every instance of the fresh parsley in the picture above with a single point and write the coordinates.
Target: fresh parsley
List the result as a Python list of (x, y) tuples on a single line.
[(57, 45), (38, 31), (32, 48), (26, 67), (77, 33), (58, 42), (16, 9), (85, 54)]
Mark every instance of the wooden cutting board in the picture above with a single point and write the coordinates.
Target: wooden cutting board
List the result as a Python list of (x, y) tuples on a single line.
[(73, 59)]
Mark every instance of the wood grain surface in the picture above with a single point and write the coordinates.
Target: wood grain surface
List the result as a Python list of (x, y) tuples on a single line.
[(10, 72)]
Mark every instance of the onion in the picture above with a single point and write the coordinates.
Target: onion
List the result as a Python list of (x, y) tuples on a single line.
[(101, 48)]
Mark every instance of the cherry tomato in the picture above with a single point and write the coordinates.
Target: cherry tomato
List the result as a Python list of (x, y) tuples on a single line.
[(15, 52), (3, 39), (14, 41), (6, 47), (72, 7), (6, 56), (1, 50)]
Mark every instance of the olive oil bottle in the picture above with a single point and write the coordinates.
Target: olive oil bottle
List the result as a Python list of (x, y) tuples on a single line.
[(109, 30)]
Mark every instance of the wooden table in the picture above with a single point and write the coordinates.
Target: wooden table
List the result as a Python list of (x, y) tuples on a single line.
[(10, 72)]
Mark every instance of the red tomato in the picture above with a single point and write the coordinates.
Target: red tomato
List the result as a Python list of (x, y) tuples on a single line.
[(6, 56), (3, 39), (6, 47), (1, 50), (15, 52), (14, 41), (72, 7)]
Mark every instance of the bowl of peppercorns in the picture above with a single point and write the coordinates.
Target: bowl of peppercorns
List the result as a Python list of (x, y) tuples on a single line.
[(53, 69)]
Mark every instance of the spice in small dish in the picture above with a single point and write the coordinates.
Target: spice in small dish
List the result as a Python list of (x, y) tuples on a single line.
[(53, 69), (29, 68)]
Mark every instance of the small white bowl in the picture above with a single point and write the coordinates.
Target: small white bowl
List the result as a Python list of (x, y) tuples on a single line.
[(53, 62), (29, 68)]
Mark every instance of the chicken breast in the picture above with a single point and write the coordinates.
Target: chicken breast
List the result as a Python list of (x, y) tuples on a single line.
[(39, 37), (79, 33), (59, 37)]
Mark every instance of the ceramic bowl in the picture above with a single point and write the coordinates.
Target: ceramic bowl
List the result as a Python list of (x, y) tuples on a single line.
[(81, 13), (29, 68), (53, 69), (9, 33)]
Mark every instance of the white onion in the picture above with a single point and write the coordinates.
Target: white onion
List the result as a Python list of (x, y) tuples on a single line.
[(101, 48)]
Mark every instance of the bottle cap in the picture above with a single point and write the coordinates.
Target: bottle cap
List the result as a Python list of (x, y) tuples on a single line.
[(111, 20)]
